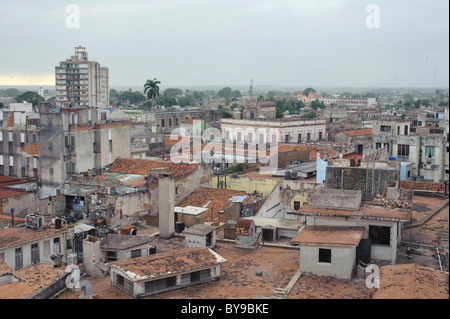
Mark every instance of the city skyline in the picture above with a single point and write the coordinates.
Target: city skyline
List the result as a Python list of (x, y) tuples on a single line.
[(213, 43)]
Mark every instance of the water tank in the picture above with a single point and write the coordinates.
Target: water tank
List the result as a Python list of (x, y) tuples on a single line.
[(392, 158), (179, 227)]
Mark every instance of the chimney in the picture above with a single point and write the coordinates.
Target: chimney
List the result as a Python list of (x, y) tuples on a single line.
[(166, 190)]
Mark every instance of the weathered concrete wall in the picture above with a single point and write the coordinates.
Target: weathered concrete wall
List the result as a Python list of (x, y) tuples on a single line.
[(23, 204), (284, 194), (263, 187), (184, 185), (342, 261), (371, 182)]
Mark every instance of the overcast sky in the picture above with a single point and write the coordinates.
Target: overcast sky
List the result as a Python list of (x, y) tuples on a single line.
[(228, 42)]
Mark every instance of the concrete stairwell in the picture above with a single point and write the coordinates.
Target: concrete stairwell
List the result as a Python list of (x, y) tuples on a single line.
[(283, 292)]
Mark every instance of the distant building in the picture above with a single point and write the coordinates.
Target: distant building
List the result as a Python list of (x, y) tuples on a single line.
[(73, 140), (293, 130), (81, 82), (357, 102), (307, 99)]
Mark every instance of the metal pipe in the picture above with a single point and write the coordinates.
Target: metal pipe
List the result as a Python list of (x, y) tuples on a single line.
[(439, 258), (417, 244)]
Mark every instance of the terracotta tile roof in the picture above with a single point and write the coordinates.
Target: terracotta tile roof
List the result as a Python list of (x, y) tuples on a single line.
[(170, 142), (15, 236), (112, 124), (341, 235), (32, 149), (189, 121), (4, 268), (78, 128), (171, 262), (370, 212), (313, 150), (10, 192), (216, 199), (6, 218), (411, 281), (132, 180), (5, 180), (143, 166), (33, 278), (359, 132)]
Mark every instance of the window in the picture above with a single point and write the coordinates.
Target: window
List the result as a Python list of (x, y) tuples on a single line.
[(125, 283), (18, 258), (111, 256), (380, 235), (308, 137), (170, 122), (50, 171), (403, 150), (385, 128), (320, 136), (297, 205), (56, 245), (163, 124), (136, 253), (324, 255), (377, 146), (429, 151)]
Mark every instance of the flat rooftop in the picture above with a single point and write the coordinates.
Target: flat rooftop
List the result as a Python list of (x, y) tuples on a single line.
[(329, 235), (369, 212)]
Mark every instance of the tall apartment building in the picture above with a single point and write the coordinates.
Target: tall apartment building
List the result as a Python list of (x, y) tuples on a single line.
[(81, 82)]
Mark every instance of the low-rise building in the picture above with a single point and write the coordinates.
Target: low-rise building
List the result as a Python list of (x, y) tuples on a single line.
[(116, 247), (149, 275), (328, 250), (382, 225), (36, 243)]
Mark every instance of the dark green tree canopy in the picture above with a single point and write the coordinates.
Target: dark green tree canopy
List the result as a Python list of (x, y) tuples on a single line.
[(307, 90), (151, 88), (30, 97)]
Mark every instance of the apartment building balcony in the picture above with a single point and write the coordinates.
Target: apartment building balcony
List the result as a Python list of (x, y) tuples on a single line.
[(139, 148)]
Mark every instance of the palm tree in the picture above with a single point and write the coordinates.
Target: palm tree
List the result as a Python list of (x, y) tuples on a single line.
[(151, 89)]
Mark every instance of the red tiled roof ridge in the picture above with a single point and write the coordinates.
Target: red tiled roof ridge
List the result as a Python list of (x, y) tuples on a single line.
[(140, 166)]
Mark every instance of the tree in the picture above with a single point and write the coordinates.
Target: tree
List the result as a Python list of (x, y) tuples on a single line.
[(317, 104), (30, 97), (279, 113), (1, 105), (173, 92), (307, 90), (226, 114), (151, 89), (11, 92), (226, 92), (131, 97), (310, 115), (166, 100)]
